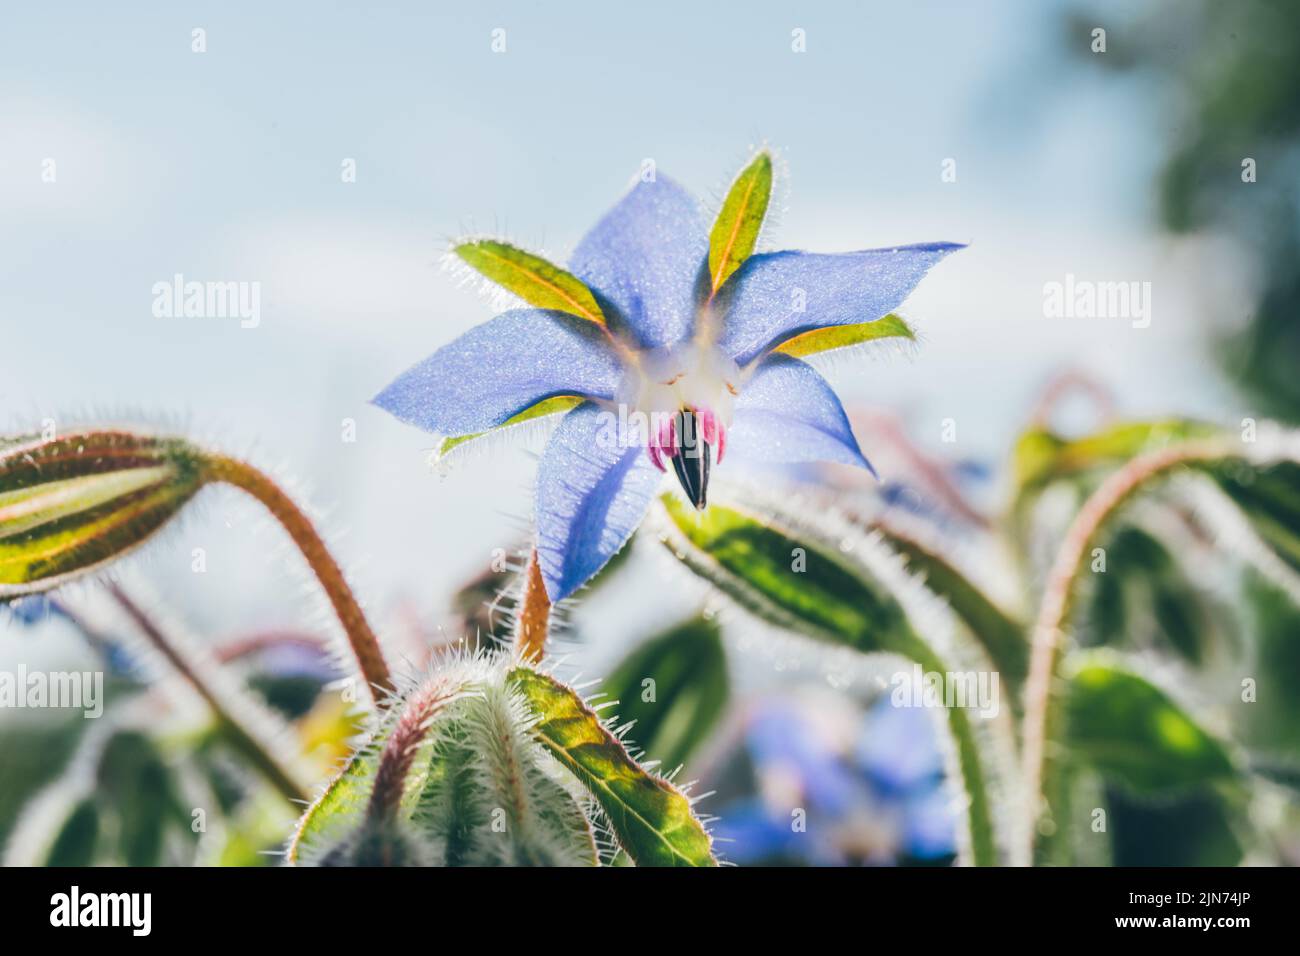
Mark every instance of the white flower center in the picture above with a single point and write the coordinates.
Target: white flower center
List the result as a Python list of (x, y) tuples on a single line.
[(690, 376)]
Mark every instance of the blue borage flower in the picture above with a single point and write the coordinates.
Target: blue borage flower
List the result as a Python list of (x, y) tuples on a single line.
[(664, 342)]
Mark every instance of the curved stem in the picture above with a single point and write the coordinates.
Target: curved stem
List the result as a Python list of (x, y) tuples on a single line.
[(1057, 603), (242, 734), (408, 733), (232, 471), (532, 624)]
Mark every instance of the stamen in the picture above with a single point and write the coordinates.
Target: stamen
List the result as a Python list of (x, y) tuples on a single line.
[(663, 445), (668, 438), (713, 431)]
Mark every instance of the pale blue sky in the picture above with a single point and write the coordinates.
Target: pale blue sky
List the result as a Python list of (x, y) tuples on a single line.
[(226, 165)]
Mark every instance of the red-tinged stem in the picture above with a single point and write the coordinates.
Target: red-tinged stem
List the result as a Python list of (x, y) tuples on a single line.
[(403, 743), (1057, 603), (533, 622), (241, 734)]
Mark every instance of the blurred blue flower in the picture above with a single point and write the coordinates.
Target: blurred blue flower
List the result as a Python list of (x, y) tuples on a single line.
[(880, 799), (32, 610), (685, 370), (896, 749)]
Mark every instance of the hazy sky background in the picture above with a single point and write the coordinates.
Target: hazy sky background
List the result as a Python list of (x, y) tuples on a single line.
[(226, 165)]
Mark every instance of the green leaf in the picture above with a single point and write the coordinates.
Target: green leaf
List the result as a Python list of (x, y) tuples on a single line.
[(452, 777), (126, 812), (688, 666), (651, 818), (341, 809), (1043, 460), (1077, 792), (816, 341), (1041, 456), (253, 836), (1003, 638), (739, 222), (1199, 827), (1271, 723), (531, 278), (1144, 590), (137, 786), (34, 754), (336, 810), (1269, 496), (788, 581), (488, 796), (69, 505), (1133, 733), (797, 581), (547, 406), (76, 841)]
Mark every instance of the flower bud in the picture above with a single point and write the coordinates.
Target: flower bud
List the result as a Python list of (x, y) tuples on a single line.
[(71, 504)]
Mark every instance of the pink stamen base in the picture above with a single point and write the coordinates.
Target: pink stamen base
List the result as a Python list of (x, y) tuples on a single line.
[(665, 444)]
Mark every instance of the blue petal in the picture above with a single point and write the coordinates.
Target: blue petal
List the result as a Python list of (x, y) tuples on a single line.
[(592, 492), (776, 296), (645, 258), (788, 413), (500, 368)]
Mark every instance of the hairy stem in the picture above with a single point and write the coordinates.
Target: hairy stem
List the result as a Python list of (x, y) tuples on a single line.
[(399, 751), (243, 736), (1057, 603), (533, 620), (374, 669)]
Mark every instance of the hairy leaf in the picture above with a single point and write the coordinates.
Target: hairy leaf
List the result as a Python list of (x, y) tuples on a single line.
[(488, 798), (382, 778), (1003, 638), (453, 777), (547, 406), (789, 581), (739, 222), (337, 809), (532, 278), (816, 341), (803, 583), (651, 818)]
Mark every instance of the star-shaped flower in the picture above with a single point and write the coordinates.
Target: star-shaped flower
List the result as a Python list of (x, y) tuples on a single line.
[(664, 342)]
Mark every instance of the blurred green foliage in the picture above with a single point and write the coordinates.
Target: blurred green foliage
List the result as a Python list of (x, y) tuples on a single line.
[(676, 712), (1230, 74)]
